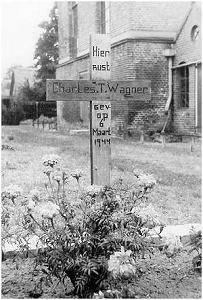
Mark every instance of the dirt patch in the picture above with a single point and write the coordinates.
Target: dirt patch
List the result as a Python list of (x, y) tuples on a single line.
[(161, 277)]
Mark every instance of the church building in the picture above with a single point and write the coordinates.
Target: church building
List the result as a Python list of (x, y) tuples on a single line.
[(156, 41)]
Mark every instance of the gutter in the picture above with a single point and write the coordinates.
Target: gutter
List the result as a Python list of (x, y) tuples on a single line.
[(169, 53), (168, 103)]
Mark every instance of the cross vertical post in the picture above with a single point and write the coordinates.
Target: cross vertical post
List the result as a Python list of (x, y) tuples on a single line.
[(100, 111)]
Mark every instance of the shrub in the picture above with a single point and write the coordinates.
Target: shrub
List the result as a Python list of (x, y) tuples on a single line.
[(12, 115), (82, 231), (196, 245)]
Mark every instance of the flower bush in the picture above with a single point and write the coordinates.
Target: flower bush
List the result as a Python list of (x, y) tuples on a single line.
[(13, 216), (91, 235)]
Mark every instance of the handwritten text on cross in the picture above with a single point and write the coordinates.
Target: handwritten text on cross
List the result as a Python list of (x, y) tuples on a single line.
[(100, 90)]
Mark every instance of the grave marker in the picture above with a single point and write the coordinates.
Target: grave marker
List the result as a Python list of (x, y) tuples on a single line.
[(100, 112), (100, 91)]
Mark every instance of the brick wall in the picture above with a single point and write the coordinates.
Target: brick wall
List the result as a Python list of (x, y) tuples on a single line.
[(142, 61), (132, 59), (187, 51), (70, 111), (158, 16)]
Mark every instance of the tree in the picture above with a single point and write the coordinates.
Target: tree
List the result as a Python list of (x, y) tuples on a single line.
[(46, 52), (34, 93), (46, 56)]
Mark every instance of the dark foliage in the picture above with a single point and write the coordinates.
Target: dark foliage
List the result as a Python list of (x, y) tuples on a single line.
[(12, 115), (46, 52)]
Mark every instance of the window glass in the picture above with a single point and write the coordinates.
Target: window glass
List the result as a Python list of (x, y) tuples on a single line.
[(195, 33), (74, 33), (104, 19), (184, 86)]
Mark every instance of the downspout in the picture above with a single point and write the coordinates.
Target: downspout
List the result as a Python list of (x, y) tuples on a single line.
[(168, 103), (196, 97), (169, 53)]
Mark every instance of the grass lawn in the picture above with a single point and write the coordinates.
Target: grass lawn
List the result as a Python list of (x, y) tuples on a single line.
[(177, 196)]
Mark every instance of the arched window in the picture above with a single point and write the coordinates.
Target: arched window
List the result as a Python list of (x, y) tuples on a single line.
[(184, 86)]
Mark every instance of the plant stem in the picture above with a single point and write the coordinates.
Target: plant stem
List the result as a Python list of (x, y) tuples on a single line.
[(51, 185)]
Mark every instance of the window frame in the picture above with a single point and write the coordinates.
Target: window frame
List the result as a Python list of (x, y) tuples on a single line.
[(195, 33), (184, 86), (103, 17)]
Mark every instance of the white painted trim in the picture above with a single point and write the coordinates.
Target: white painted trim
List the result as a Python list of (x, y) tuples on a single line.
[(146, 35), (186, 64), (84, 52), (64, 60)]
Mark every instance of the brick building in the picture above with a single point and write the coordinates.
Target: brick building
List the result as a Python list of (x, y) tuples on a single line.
[(149, 40)]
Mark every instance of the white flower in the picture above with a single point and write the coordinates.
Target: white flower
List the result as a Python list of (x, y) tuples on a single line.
[(146, 180), (34, 194), (96, 207), (12, 191), (172, 244), (121, 263), (99, 295), (57, 176), (118, 198), (117, 216), (138, 172), (93, 190), (148, 215), (77, 174), (50, 160), (47, 209), (31, 204)]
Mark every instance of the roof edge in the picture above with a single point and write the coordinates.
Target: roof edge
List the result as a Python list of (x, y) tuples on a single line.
[(184, 21)]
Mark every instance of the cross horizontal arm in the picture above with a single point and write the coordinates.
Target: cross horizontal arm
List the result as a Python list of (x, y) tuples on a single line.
[(97, 90)]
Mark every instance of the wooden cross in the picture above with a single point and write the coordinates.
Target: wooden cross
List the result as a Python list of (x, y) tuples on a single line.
[(100, 91)]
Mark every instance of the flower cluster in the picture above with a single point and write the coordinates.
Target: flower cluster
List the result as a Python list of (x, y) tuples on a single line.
[(96, 207), (34, 195), (93, 190), (57, 176), (11, 192), (122, 264), (77, 174), (46, 209), (50, 160), (137, 172), (117, 216), (99, 295), (148, 215), (172, 245), (146, 180)]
